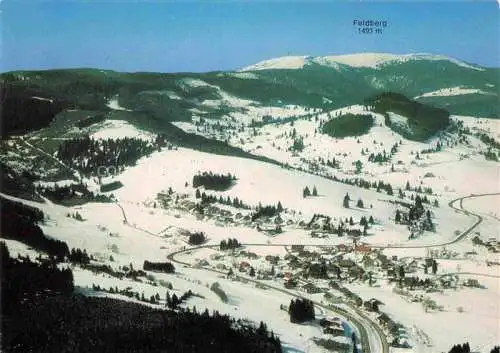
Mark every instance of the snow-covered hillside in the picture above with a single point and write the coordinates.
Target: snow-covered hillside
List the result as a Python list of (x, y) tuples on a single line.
[(346, 216)]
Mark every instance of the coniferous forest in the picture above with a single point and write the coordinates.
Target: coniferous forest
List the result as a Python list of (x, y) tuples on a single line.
[(88, 154), (40, 313)]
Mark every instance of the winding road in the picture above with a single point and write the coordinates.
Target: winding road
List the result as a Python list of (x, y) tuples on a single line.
[(372, 337)]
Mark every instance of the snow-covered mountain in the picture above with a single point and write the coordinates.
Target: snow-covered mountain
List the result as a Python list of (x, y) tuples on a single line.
[(360, 60)]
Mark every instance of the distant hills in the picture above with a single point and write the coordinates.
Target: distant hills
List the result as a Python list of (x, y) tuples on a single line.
[(32, 99)]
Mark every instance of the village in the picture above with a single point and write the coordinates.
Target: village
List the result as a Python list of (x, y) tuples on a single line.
[(325, 273)]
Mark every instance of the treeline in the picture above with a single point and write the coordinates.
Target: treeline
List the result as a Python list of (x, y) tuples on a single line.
[(23, 278), (70, 195), (154, 299), (207, 199), (419, 189), (211, 181), (77, 256), (93, 119), (267, 211), (90, 155), (19, 222), (229, 244), (461, 348), (365, 184), (301, 310), (166, 267)]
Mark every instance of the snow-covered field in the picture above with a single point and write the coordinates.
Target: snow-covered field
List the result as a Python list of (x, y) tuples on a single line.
[(453, 91), (118, 129)]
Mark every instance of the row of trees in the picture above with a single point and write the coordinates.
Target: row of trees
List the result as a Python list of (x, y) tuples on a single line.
[(78, 256), (347, 200), (306, 192), (207, 198), (419, 189), (153, 299), (166, 267), (229, 244), (72, 194)]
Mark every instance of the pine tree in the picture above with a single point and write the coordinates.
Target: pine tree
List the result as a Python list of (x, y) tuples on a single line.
[(279, 207), (168, 300), (306, 192), (434, 267), (198, 194), (371, 221), (346, 200), (398, 216), (360, 203), (315, 191), (175, 301)]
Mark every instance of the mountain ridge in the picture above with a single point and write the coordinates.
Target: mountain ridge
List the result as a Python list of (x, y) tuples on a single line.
[(356, 60)]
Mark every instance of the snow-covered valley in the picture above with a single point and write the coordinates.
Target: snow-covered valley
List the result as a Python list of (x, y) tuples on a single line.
[(384, 223)]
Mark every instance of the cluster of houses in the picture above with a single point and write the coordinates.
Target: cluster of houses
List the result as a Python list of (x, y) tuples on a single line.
[(332, 326), (491, 244)]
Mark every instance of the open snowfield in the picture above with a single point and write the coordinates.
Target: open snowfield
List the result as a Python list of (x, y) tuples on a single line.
[(453, 91), (118, 129)]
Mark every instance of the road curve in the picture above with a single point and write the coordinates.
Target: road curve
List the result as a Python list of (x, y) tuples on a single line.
[(356, 321)]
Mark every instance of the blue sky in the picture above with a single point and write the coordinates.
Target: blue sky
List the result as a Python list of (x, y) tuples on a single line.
[(173, 36)]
